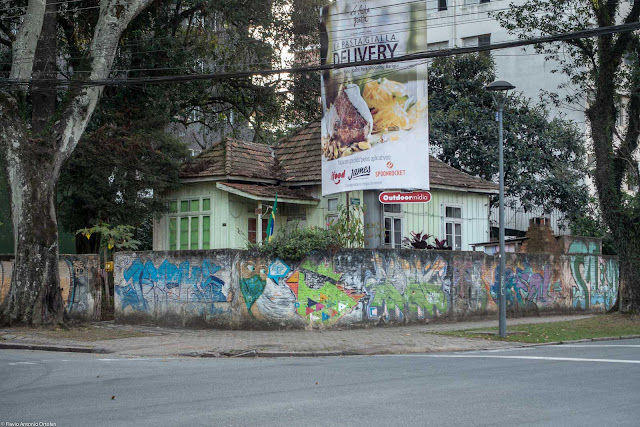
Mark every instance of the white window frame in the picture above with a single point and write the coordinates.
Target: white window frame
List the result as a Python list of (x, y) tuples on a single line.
[(450, 220), (393, 216), (199, 214), (474, 41), (438, 46), (332, 214)]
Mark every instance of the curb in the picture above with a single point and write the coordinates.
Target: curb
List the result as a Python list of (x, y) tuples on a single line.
[(46, 347), (525, 345), (273, 354)]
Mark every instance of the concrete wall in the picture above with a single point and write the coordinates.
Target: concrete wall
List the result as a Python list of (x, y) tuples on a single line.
[(233, 288), (78, 275)]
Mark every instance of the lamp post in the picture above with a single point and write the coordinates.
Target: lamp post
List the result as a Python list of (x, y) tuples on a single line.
[(499, 90)]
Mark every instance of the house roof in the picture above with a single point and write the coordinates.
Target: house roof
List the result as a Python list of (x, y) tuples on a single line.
[(268, 192), (233, 158), (441, 175), (297, 159), (300, 155)]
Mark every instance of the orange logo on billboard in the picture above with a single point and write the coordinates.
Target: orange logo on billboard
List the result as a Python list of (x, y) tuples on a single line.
[(389, 165)]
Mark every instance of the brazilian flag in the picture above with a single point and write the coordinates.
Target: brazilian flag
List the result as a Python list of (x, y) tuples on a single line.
[(272, 220)]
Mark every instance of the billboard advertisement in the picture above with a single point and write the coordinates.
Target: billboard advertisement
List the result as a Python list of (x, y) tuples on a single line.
[(374, 122)]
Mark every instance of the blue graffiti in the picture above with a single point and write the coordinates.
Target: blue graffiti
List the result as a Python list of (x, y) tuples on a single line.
[(146, 284)]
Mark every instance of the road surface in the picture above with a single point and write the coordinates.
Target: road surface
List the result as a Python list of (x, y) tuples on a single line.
[(596, 383)]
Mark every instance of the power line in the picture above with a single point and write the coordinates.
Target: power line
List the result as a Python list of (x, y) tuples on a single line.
[(594, 32), (441, 25)]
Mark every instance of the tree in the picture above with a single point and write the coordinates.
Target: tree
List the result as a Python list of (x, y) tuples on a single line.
[(544, 157), (604, 70), (126, 151), (40, 127)]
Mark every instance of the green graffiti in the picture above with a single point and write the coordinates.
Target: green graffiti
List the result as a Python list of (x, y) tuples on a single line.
[(325, 270), (325, 305), (252, 288), (424, 295)]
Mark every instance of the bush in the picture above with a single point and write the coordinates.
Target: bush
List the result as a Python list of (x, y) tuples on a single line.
[(295, 243)]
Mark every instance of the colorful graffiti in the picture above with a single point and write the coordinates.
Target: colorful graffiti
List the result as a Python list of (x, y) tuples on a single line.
[(68, 270), (584, 268), (351, 287), (400, 286), (75, 287), (603, 295), (528, 288), (144, 285), (6, 269), (253, 280), (472, 284), (320, 295)]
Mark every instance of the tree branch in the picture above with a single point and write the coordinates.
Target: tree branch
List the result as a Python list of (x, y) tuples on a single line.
[(622, 43), (115, 16), (24, 48)]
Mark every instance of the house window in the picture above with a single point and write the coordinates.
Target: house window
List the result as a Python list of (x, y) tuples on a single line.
[(437, 46), (392, 224), (453, 227), (190, 225), (332, 208), (485, 39), (477, 41), (442, 5), (252, 231)]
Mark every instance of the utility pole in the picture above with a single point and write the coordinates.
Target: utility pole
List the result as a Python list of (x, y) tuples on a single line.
[(499, 90)]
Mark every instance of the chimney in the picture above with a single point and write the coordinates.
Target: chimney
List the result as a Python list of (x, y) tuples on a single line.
[(540, 237)]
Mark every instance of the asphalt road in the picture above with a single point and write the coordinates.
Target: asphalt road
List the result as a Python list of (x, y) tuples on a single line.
[(581, 384)]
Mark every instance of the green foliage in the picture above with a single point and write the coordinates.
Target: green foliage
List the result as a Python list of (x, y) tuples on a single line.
[(589, 223), (417, 240), (544, 157), (118, 173), (119, 237), (606, 71), (294, 243), (348, 228), (420, 241), (609, 325)]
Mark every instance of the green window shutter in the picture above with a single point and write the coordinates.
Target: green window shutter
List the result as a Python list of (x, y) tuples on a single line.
[(184, 233), (173, 206), (206, 232), (173, 233), (195, 205), (194, 232), (184, 206), (206, 204)]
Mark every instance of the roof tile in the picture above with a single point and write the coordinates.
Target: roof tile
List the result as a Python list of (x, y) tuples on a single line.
[(297, 159)]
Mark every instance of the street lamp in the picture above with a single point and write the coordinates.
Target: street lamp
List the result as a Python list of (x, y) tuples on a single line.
[(499, 90)]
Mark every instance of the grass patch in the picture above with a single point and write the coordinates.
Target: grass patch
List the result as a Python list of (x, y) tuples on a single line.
[(76, 333), (606, 325)]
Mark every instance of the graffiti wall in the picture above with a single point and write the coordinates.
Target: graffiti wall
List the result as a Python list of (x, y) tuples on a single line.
[(236, 288), (77, 283), (174, 290)]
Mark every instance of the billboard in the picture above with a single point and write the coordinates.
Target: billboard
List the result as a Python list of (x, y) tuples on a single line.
[(374, 117)]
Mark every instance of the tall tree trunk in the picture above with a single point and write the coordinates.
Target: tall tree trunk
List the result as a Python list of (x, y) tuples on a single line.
[(34, 297), (36, 149), (629, 295)]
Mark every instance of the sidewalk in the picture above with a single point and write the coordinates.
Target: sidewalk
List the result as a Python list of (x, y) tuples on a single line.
[(166, 342)]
